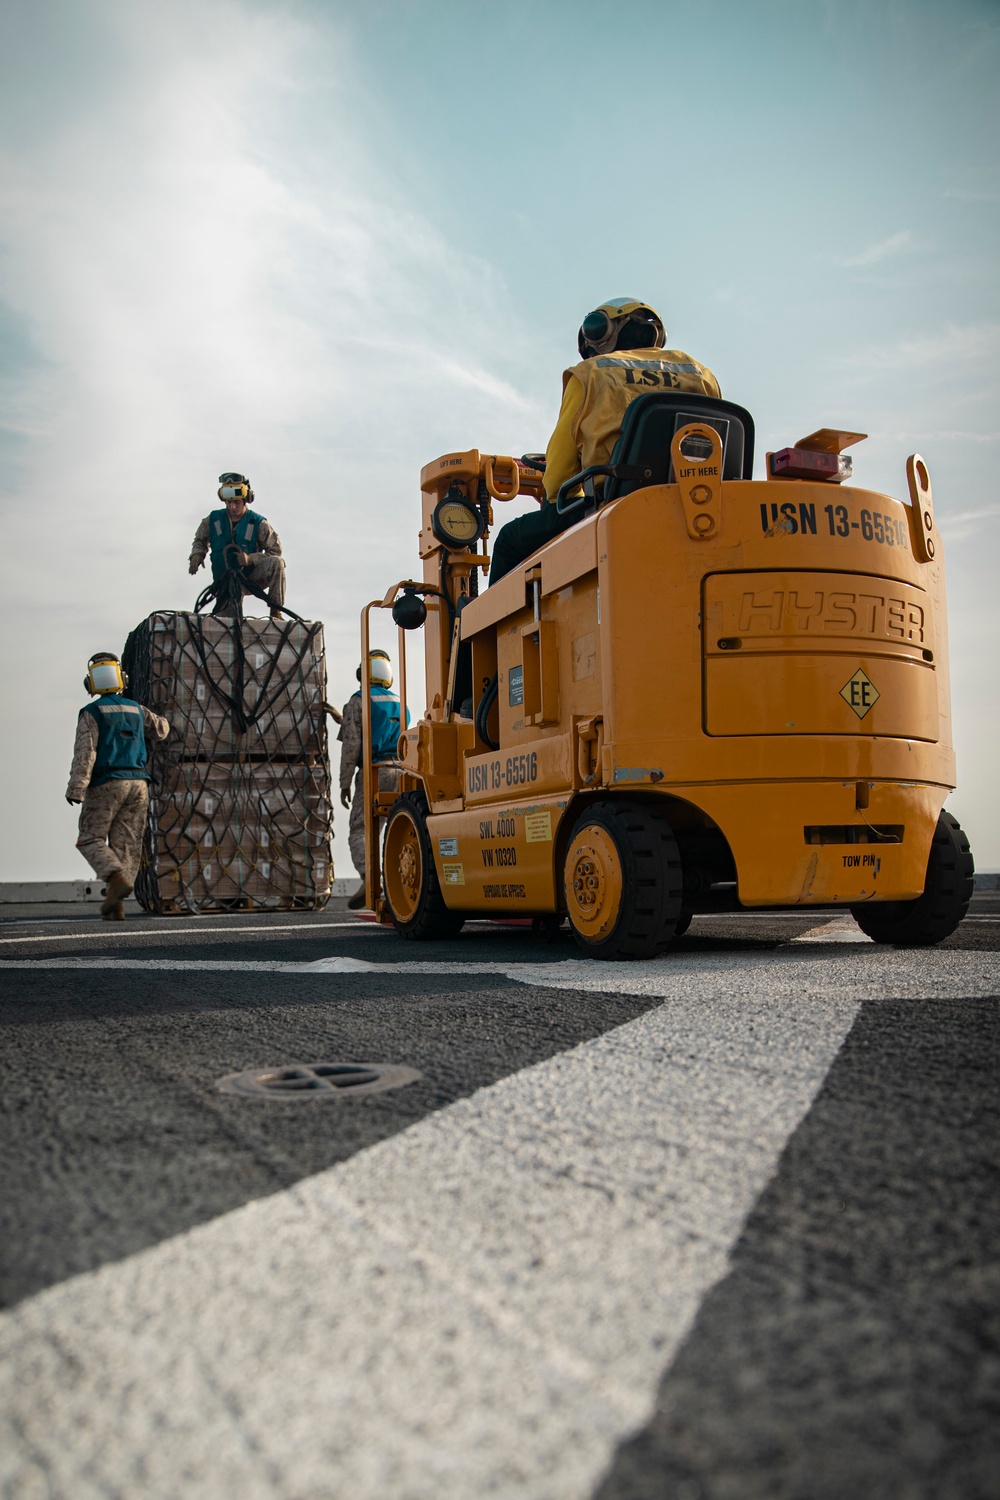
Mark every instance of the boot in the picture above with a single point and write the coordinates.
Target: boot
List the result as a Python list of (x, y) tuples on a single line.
[(277, 615), (118, 889), (357, 901), (116, 914)]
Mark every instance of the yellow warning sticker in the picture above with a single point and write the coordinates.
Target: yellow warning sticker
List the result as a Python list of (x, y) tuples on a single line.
[(860, 693), (453, 874), (538, 828)]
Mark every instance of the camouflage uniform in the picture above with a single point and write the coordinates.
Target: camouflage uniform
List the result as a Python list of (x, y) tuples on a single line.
[(113, 816), (266, 568), (350, 770)]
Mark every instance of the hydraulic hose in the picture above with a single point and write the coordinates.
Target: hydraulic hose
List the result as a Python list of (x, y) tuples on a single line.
[(483, 712)]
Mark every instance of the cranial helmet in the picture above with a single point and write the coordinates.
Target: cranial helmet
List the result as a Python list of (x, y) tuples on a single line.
[(379, 670), (623, 323), (104, 674), (234, 487)]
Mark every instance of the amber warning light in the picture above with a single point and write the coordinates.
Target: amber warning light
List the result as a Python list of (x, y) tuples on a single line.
[(807, 463)]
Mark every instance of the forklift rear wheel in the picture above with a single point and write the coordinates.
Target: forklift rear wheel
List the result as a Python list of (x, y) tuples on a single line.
[(622, 880), (416, 904), (947, 893)]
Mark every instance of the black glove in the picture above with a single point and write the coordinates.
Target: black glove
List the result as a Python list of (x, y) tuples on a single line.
[(73, 801), (345, 796)]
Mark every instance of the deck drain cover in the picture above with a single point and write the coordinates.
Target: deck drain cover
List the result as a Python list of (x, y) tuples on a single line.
[(318, 1080)]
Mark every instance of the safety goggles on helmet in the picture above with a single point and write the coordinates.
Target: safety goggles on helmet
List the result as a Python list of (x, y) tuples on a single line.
[(602, 329), (104, 674), (234, 487)]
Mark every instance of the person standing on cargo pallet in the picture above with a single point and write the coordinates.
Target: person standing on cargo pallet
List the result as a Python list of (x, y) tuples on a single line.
[(238, 537), (109, 777), (385, 738), (622, 357)]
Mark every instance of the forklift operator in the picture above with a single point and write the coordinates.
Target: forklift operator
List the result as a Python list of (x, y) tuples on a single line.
[(596, 392)]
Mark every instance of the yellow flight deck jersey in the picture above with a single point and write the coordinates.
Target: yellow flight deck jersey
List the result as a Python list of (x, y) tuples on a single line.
[(595, 395)]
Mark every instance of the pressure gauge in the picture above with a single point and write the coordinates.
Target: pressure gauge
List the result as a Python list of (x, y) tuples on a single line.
[(456, 522)]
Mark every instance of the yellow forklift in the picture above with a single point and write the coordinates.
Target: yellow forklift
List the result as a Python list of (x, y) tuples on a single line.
[(706, 694)]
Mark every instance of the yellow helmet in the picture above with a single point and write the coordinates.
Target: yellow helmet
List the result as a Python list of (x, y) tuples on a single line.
[(379, 670), (104, 674), (233, 486), (622, 323)]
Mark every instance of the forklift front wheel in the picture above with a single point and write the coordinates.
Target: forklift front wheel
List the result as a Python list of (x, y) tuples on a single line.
[(947, 892), (416, 904), (622, 880)]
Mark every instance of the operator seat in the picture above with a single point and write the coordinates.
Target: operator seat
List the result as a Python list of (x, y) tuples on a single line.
[(641, 456)]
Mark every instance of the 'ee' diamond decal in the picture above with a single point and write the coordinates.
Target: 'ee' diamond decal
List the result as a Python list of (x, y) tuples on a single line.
[(860, 693)]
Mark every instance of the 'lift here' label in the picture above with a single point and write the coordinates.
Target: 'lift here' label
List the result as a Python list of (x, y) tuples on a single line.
[(800, 517)]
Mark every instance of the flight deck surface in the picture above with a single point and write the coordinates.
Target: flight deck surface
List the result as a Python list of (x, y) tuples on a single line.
[(722, 1222)]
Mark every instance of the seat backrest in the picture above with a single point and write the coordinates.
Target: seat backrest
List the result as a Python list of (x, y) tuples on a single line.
[(649, 425)]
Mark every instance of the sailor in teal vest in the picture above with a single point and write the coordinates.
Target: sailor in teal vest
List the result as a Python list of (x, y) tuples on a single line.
[(385, 736), (109, 777), (238, 537)]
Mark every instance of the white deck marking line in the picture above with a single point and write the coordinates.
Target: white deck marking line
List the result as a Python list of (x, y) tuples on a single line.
[(905, 973), (207, 965), (358, 925), (165, 933), (481, 1305), (162, 921)]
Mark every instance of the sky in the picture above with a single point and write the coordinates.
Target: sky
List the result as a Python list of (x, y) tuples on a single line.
[(322, 243)]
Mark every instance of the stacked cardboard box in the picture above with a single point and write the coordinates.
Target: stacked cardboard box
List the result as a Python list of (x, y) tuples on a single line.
[(240, 813)]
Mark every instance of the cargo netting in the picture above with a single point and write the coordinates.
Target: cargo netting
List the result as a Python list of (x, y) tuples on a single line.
[(240, 813)]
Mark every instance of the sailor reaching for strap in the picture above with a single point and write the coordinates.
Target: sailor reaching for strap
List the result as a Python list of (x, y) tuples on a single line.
[(236, 536)]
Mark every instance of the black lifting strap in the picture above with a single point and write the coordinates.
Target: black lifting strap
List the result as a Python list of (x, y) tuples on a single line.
[(229, 589)]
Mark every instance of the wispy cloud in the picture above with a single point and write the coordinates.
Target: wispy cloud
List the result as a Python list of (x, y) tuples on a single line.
[(967, 195), (986, 512), (958, 346), (968, 522), (746, 306), (203, 277), (881, 250), (197, 290)]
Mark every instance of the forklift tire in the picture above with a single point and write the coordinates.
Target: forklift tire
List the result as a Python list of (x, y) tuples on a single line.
[(622, 880), (947, 892), (416, 905)]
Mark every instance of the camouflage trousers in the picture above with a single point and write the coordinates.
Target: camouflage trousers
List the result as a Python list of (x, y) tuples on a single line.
[(112, 823), (267, 573), (388, 781)]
